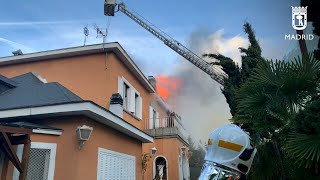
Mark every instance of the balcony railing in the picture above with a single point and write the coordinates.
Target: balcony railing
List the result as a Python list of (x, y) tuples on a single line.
[(166, 123)]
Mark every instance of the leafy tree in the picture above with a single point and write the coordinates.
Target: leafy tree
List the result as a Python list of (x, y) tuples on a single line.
[(276, 102), (314, 17), (280, 101), (236, 76), (304, 140), (196, 160)]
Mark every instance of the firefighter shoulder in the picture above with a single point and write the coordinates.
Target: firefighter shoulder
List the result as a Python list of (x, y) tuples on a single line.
[(230, 146)]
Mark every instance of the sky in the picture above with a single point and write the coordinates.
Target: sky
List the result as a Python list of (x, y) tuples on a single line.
[(42, 25), (204, 26)]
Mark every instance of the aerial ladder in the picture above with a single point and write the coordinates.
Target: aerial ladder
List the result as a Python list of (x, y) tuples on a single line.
[(110, 7)]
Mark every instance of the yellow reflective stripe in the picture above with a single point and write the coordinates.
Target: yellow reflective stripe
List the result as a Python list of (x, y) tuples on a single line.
[(209, 142), (230, 145)]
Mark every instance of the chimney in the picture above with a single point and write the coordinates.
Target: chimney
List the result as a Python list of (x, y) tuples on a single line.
[(116, 105), (153, 82), (17, 52), (40, 77)]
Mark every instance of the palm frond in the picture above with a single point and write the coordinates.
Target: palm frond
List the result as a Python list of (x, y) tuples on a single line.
[(262, 168), (241, 119), (278, 89), (305, 149)]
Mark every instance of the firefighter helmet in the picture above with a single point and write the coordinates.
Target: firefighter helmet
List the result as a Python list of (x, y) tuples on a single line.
[(231, 147)]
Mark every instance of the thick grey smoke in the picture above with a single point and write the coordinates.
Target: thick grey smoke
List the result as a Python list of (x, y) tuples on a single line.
[(199, 99)]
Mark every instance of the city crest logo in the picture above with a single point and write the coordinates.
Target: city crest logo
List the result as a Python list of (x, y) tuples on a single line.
[(299, 18), (299, 23)]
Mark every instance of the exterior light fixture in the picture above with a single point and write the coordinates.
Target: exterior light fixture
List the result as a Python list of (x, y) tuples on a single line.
[(183, 150), (83, 133), (153, 151)]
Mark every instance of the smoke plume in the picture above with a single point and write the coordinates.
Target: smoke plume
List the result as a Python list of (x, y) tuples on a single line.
[(198, 99)]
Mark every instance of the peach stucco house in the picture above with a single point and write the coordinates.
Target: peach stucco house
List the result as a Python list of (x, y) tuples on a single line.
[(53, 93)]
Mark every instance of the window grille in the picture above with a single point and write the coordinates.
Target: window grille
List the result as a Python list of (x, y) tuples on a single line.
[(38, 166)]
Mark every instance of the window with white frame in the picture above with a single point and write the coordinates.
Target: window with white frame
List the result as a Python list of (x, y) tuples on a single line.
[(153, 118), (132, 100), (41, 161)]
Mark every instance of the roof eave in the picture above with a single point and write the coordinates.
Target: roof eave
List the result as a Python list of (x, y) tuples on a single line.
[(86, 108)]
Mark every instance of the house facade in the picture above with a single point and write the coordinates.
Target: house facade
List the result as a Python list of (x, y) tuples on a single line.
[(89, 76)]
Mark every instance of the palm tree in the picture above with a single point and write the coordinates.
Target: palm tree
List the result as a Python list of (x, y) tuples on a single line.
[(273, 102)]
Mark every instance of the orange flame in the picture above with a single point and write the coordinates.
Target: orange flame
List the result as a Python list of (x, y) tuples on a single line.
[(167, 86)]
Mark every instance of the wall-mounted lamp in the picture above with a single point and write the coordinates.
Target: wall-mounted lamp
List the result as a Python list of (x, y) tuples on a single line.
[(153, 151), (183, 150), (83, 133)]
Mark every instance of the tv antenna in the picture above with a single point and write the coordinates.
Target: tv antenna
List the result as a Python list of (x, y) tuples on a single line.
[(86, 34), (101, 33)]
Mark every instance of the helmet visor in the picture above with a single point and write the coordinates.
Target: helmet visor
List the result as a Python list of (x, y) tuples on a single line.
[(211, 171)]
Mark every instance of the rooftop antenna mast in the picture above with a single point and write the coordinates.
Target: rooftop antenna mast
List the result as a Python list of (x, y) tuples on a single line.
[(101, 33), (86, 34)]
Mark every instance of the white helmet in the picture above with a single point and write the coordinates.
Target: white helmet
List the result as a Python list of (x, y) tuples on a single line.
[(230, 146)]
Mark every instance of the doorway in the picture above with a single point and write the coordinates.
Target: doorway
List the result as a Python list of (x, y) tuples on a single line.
[(160, 169)]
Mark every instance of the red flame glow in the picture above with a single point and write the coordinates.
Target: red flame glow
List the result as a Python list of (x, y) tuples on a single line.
[(167, 86)]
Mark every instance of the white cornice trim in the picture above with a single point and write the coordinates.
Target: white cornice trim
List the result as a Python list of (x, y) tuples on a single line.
[(47, 131), (88, 109)]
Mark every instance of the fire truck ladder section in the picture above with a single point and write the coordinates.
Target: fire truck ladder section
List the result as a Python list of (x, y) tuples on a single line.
[(215, 73)]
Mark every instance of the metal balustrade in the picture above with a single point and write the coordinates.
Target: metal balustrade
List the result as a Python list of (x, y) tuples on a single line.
[(166, 122)]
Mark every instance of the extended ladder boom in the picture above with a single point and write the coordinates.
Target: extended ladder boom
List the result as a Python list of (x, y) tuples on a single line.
[(215, 73)]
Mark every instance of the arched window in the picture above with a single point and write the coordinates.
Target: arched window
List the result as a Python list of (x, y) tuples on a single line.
[(160, 168)]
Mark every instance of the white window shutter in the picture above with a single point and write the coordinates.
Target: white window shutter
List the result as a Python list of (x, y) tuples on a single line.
[(115, 166), (139, 107), (102, 164), (150, 117), (132, 99), (120, 86), (157, 120)]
